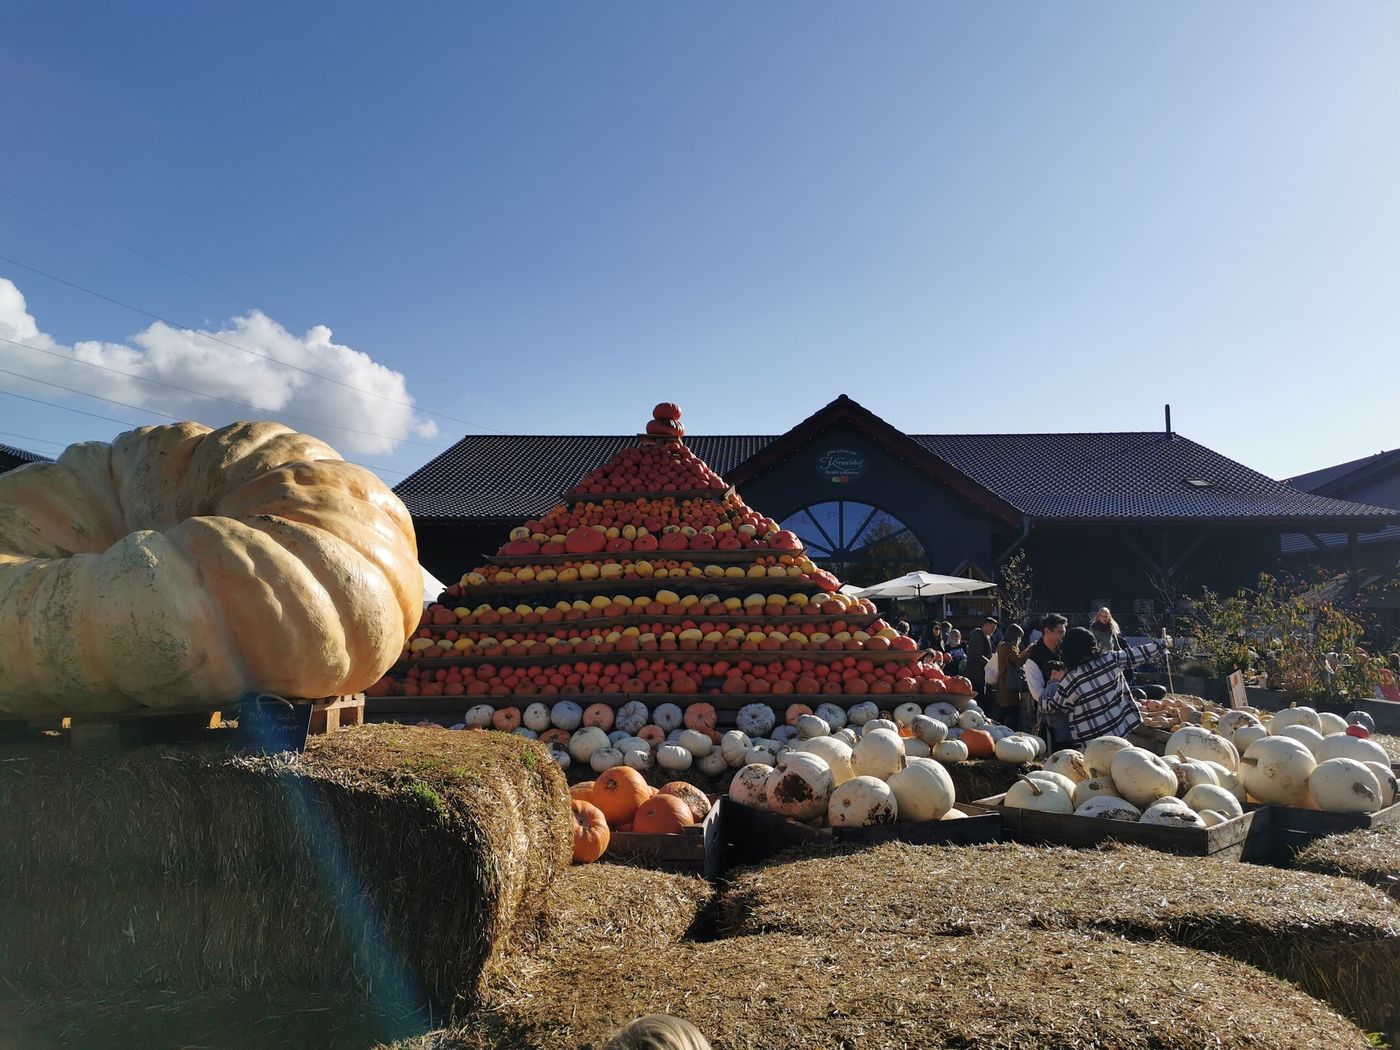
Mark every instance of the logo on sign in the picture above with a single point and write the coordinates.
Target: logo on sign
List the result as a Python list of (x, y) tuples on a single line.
[(841, 464)]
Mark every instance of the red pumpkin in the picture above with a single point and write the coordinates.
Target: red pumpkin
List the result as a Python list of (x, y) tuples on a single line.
[(585, 540), (666, 410), (662, 815), (666, 428)]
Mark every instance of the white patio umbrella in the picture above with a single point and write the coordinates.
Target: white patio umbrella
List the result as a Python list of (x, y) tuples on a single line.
[(432, 587), (923, 585)]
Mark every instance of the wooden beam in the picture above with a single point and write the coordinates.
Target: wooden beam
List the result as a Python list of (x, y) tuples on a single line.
[(1180, 562)]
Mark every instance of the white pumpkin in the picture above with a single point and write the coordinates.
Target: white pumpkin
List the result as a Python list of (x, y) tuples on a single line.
[(879, 753), (696, 742), (1193, 742), (673, 757), (905, 713), (1094, 787), (536, 717), (631, 743), (733, 745), (1098, 754), (950, 751), (605, 758), (862, 802), (586, 741), (668, 716), (479, 716), (1172, 813), (756, 719), (631, 716), (758, 755), (943, 712), (1294, 716), (862, 712), (1353, 747), (810, 727), (561, 756), (641, 761), (800, 788), (1330, 724), (1015, 749), (930, 730), (953, 814), (972, 718), (1275, 770), (617, 736), (1050, 776), (1390, 786), (1230, 780), (749, 785), (1045, 796), (1213, 797), (923, 791), (847, 736), (831, 714), (1246, 735), (1070, 763), (522, 731), (917, 749), (880, 723), (1212, 817), (1141, 777), (1191, 774), (1343, 785), (568, 716), (785, 734), (1305, 735), (835, 753), (712, 765), (1108, 807), (1228, 722)]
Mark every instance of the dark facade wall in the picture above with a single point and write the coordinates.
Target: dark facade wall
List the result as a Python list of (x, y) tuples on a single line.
[(950, 529), (449, 549)]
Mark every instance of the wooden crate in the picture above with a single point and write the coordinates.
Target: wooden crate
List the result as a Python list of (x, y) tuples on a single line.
[(1292, 829), (336, 712), (1149, 739), (1224, 841), (750, 836), (686, 853)]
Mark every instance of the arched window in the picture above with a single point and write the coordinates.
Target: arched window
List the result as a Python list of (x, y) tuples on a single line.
[(860, 543)]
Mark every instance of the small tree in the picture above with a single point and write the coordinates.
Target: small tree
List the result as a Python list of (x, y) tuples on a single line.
[(1016, 586)]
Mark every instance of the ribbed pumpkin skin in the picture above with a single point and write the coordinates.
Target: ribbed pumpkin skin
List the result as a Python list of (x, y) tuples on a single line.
[(180, 567)]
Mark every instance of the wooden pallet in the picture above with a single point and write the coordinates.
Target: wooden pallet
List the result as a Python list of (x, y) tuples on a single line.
[(1292, 829), (336, 712), (693, 851)]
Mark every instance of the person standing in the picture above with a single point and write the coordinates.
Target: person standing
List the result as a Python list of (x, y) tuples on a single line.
[(1106, 630), (956, 653), (1094, 694), (1047, 648), (1010, 678), (979, 653)]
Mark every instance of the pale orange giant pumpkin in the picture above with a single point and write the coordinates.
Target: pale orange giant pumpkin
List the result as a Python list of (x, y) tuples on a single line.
[(180, 567)]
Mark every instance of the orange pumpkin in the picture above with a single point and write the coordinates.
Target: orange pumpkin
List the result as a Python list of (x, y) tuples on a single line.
[(618, 792), (701, 717), (662, 815), (794, 712), (695, 799), (555, 736), (980, 743), (599, 715), (506, 719), (653, 735), (582, 791), (591, 833)]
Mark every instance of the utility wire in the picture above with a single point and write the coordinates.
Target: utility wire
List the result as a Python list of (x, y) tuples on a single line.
[(127, 423), (31, 437), (215, 397), (234, 346)]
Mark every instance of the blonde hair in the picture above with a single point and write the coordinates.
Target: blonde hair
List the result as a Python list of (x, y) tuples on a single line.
[(658, 1032), (1112, 623)]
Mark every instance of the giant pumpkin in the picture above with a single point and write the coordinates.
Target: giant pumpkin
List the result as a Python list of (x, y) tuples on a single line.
[(180, 567)]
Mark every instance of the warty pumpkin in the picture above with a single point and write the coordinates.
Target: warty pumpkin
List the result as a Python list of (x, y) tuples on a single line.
[(180, 567)]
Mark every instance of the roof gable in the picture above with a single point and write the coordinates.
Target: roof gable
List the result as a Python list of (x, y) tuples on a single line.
[(11, 457)]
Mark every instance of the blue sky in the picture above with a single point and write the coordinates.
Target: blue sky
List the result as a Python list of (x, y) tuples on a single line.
[(546, 217)]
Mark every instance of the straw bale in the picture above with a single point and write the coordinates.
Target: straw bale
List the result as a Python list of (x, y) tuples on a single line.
[(984, 777), (1390, 742), (1370, 854), (1336, 938), (591, 905), (1061, 990), (397, 859)]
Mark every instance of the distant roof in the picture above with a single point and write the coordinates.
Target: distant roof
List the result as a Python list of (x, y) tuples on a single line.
[(1048, 477), (1371, 479), (11, 457)]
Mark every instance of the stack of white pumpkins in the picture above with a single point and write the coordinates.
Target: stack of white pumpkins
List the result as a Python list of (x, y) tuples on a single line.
[(860, 773), (1198, 787), (1310, 760)]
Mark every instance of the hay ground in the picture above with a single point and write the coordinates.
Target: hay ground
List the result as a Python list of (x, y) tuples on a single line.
[(1371, 855), (1336, 938), (394, 859), (1390, 743), (1053, 990)]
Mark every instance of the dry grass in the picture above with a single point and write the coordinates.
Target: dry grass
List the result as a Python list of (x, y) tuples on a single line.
[(1054, 990), (1336, 938), (1371, 855), (1390, 743), (984, 777), (395, 859)]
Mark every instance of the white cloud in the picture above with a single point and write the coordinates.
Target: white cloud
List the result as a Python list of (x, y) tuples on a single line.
[(351, 420)]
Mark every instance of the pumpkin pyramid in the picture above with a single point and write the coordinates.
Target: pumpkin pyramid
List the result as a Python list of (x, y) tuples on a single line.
[(652, 581)]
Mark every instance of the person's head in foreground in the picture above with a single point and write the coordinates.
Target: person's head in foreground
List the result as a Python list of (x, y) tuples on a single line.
[(658, 1032)]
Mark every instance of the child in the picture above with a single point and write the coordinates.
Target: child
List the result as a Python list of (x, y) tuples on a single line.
[(1054, 724), (658, 1032)]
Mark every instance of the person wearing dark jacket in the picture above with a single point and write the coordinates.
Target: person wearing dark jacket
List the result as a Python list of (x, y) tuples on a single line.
[(979, 651), (1011, 680)]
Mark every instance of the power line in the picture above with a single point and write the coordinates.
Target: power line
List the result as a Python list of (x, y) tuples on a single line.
[(127, 423), (31, 437), (234, 346), (215, 397)]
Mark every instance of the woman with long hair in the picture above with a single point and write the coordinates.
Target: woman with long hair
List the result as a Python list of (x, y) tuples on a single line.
[(1094, 694)]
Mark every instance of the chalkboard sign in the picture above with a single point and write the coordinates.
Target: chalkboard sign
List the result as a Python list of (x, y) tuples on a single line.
[(272, 723)]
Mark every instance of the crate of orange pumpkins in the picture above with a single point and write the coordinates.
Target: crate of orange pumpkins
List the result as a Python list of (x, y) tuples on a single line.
[(622, 819)]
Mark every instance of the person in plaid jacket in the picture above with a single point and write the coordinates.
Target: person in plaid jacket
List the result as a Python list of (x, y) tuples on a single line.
[(1094, 694)]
